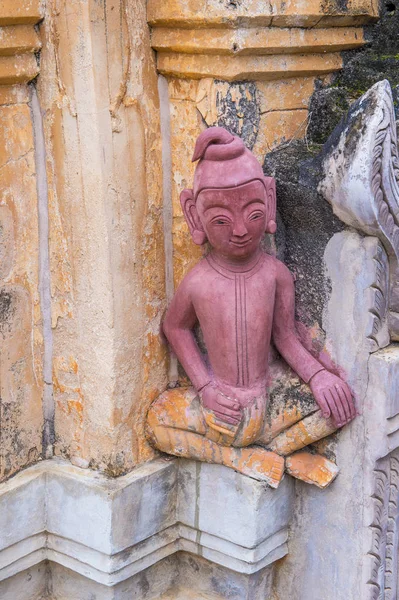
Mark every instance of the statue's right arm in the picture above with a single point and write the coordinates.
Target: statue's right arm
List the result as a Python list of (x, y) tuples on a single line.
[(178, 328)]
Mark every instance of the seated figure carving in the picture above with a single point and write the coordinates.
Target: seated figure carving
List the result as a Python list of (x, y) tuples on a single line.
[(243, 299)]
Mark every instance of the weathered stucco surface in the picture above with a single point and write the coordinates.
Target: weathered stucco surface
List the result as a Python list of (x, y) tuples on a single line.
[(20, 317), (98, 90), (21, 349)]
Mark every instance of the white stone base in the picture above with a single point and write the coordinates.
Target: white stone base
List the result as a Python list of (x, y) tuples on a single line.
[(181, 576), (111, 530), (32, 584), (178, 577)]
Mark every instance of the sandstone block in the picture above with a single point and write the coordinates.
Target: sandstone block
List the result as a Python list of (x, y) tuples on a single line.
[(18, 39), (198, 66), (252, 12), (258, 41), (18, 68), (24, 11)]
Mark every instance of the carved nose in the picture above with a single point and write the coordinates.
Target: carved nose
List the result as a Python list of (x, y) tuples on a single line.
[(239, 229)]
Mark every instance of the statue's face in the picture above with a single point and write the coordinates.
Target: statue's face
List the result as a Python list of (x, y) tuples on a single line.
[(234, 219)]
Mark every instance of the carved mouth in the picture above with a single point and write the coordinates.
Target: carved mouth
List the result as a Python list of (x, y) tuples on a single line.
[(241, 243)]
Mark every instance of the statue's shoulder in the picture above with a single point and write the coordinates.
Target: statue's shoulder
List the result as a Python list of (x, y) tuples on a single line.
[(280, 270), (196, 276), (271, 262)]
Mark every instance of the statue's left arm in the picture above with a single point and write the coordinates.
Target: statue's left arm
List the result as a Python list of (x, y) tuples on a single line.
[(331, 393)]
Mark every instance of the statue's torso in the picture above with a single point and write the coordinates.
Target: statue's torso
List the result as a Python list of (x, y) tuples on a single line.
[(235, 312)]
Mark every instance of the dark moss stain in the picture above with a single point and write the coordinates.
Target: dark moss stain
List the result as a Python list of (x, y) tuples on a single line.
[(331, 7), (144, 585), (48, 433), (193, 564), (114, 466), (239, 112), (112, 470), (13, 436), (326, 109), (384, 35), (364, 68), (353, 124), (308, 224), (378, 60), (326, 447), (285, 397), (6, 308), (226, 589)]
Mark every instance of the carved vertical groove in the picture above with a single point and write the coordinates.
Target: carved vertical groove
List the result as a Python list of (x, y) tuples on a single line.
[(44, 275)]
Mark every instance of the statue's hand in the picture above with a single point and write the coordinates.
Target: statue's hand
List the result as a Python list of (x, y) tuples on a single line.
[(334, 397), (225, 409)]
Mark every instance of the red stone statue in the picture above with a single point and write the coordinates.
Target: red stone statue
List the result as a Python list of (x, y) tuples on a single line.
[(242, 298)]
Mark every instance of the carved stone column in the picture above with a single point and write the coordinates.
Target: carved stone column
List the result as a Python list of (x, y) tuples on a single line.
[(98, 90)]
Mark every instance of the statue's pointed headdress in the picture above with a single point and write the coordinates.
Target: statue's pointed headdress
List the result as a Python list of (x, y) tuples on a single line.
[(224, 161)]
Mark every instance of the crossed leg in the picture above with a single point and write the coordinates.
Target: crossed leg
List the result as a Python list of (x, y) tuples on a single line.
[(177, 425), (291, 430)]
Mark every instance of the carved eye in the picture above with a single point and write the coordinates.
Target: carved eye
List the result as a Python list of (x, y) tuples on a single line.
[(220, 222), (255, 215)]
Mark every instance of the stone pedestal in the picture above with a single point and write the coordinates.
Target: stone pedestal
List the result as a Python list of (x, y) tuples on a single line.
[(164, 524)]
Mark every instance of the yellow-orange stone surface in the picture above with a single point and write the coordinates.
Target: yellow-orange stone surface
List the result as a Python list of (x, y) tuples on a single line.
[(282, 13), (21, 347)]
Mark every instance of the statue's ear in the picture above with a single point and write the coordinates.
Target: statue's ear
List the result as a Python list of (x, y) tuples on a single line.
[(270, 186), (192, 218)]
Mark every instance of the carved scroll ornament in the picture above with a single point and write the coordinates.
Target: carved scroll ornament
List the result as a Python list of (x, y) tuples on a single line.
[(361, 179)]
